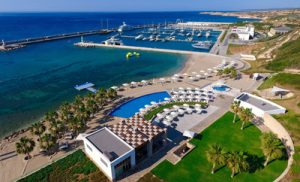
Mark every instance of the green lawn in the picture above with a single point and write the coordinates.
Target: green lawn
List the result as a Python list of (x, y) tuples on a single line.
[(75, 167), (282, 79), (195, 167)]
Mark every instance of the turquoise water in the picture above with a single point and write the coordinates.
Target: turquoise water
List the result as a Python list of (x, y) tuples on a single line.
[(133, 106), (38, 78)]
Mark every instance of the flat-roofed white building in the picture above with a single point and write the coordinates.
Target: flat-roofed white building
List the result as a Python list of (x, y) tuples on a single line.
[(118, 148), (258, 105), (244, 33), (111, 154)]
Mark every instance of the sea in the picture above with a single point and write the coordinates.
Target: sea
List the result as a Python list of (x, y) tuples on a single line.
[(38, 78)]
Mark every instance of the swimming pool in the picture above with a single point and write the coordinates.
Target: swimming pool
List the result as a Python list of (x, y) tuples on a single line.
[(222, 88), (129, 108)]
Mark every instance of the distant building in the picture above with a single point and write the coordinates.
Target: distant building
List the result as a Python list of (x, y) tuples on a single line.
[(244, 33), (118, 148), (279, 30)]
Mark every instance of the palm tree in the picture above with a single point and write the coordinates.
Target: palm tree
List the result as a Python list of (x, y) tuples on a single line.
[(75, 125), (237, 162), (112, 94), (272, 147), (55, 128), (235, 106), (246, 115), (38, 129), (47, 142), (216, 156), (25, 146), (233, 74)]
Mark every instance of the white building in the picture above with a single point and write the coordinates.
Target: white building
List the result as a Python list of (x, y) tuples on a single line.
[(258, 105), (244, 33), (118, 148)]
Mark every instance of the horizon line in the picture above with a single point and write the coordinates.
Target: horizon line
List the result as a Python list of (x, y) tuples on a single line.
[(148, 11)]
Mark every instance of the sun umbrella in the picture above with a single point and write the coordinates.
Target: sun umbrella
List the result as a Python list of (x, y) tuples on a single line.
[(180, 88), (176, 75), (159, 115), (153, 103), (197, 105), (176, 107), (142, 109), (186, 105), (182, 97), (174, 78), (202, 71), (169, 118), (185, 74), (114, 87), (125, 84), (167, 123), (181, 111), (188, 88), (166, 110), (133, 83), (147, 106), (189, 110), (144, 81), (198, 76), (174, 114)]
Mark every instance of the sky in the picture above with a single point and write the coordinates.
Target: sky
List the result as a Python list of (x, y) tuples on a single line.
[(142, 5)]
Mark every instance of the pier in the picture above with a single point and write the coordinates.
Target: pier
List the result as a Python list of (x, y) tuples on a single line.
[(86, 86), (15, 44)]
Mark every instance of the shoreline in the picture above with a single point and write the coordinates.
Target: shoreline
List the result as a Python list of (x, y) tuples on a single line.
[(233, 14), (182, 69)]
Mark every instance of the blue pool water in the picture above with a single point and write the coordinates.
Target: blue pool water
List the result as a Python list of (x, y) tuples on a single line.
[(222, 88), (131, 107)]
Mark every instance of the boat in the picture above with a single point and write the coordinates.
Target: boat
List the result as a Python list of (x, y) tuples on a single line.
[(207, 34), (124, 27), (172, 38), (145, 38), (190, 39), (152, 38), (173, 33), (139, 37), (113, 41), (188, 34), (199, 34), (203, 45)]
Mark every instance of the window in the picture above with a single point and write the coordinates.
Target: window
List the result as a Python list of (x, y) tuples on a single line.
[(103, 162), (89, 147)]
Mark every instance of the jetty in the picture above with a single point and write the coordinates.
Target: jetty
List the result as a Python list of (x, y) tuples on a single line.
[(88, 86)]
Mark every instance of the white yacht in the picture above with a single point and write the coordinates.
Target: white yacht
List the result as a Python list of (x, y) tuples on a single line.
[(152, 38), (124, 27), (203, 45), (199, 34), (207, 34), (113, 41), (139, 37)]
